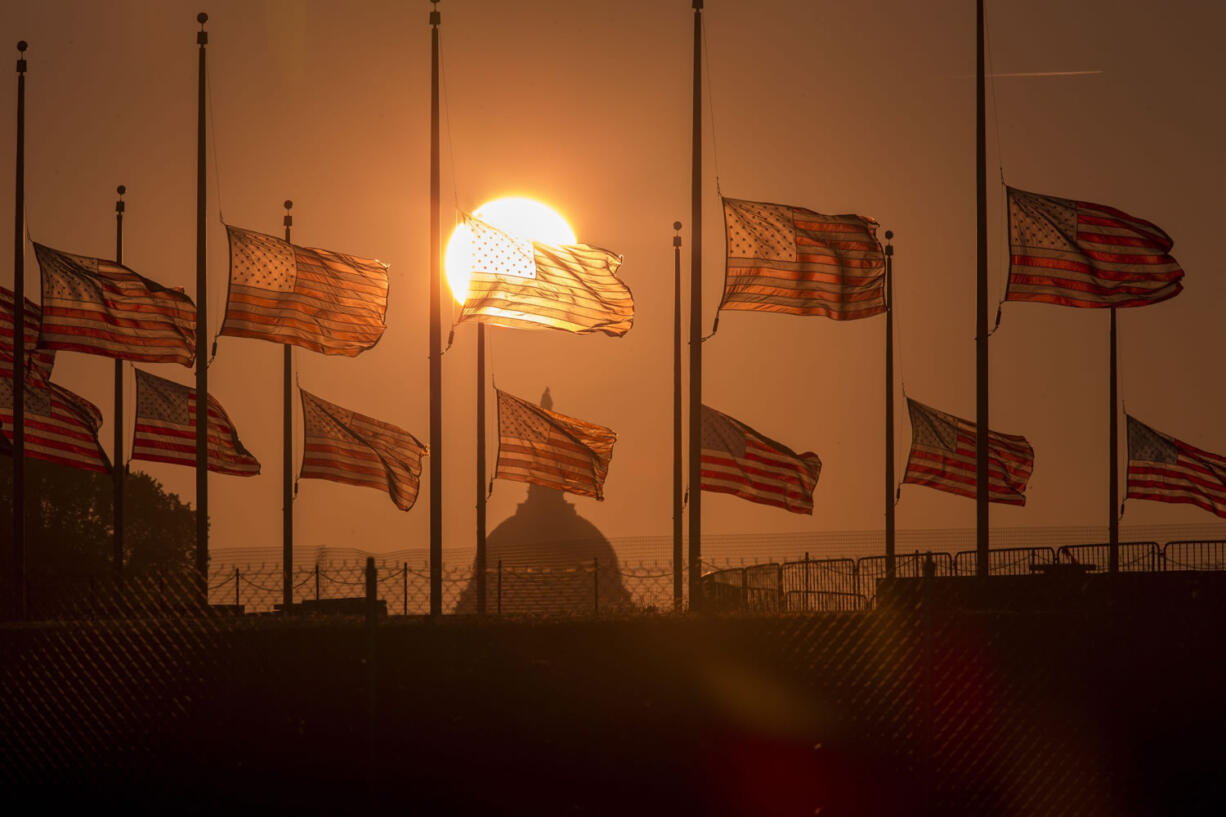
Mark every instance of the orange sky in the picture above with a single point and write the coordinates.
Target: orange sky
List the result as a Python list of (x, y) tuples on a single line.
[(864, 108)]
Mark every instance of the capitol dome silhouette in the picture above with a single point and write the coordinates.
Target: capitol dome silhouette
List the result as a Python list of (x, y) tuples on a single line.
[(554, 562)]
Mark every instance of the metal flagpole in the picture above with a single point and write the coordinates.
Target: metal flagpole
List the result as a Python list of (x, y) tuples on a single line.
[(889, 405), (481, 469), (202, 328), (678, 571), (17, 576), (981, 317), (1113, 470), (695, 469), (118, 473), (436, 361), (287, 458)]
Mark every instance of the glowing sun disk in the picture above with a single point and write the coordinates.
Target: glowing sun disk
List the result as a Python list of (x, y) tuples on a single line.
[(526, 218)]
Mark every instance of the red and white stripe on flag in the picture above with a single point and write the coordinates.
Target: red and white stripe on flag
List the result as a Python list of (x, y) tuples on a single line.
[(324, 301), (738, 460), (1077, 253), (166, 429), (99, 307), (43, 360), (800, 262), (943, 457), (60, 426), (1165, 469), (525, 284), (343, 446), (549, 449)]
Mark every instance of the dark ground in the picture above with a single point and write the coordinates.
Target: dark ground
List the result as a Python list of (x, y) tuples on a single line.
[(910, 710)]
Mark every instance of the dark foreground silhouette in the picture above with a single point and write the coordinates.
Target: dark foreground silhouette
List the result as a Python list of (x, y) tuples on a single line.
[(918, 708)]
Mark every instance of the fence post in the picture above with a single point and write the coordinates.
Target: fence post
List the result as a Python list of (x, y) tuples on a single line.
[(596, 585), (500, 587), (406, 588), (779, 587), (317, 581), (237, 603), (928, 571), (855, 577), (372, 589), (372, 596)]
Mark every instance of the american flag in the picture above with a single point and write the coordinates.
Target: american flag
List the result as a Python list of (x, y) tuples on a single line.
[(320, 300), (1165, 469), (792, 260), (1075, 253), (529, 285), (546, 448), (42, 360), (943, 457), (60, 426), (344, 446), (166, 429), (738, 460), (98, 307)]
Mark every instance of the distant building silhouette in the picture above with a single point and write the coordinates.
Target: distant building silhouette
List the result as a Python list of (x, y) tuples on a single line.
[(548, 553)]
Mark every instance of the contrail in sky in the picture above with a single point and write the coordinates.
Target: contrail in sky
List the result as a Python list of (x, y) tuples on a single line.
[(1047, 74), (1038, 74)]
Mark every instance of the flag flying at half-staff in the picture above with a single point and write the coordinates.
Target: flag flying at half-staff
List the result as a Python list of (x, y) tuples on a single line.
[(344, 446), (1075, 253), (798, 262), (320, 300), (1165, 469), (60, 426), (525, 284), (40, 360), (943, 457), (549, 449), (166, 429), (99, 307), (738, 460)]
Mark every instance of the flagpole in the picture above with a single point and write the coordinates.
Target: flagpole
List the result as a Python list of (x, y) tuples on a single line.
[(678, 571), (981, 318), (481, 555), (287, 457), (18, 572), (202, 327), (889, 405), (695, 467), (1113, 470), (436, 361), (118, 472)]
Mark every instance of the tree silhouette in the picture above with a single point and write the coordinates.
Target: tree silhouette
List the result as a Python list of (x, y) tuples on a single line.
[(69, 523)]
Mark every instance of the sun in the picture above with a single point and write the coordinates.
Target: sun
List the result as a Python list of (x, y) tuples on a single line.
[(519, 216)]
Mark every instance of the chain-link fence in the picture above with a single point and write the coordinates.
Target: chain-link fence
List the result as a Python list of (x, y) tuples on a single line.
[(810, 684), (584, 589)]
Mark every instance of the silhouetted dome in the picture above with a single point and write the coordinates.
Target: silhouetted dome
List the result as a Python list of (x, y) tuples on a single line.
[(548, 552)]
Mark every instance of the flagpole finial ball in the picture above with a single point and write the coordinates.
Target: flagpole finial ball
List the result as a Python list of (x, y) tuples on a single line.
[(202, 18), (22, 45), (289, 205), (676, 225), (889, 234), (121, 190)]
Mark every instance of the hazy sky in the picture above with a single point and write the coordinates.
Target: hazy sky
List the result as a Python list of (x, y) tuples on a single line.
[(864, 107)]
